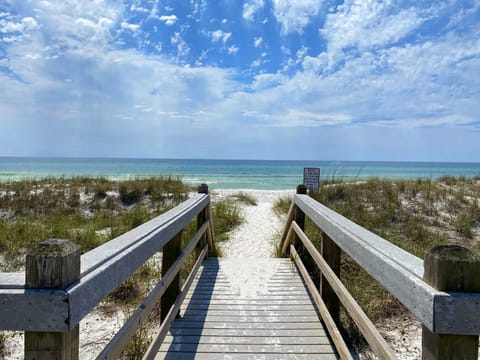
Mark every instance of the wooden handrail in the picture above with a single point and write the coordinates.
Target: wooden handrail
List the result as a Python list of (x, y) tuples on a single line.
[(155, 345), (440, 310), (368, 330), (116, 345), (101, 271), (332, 329)]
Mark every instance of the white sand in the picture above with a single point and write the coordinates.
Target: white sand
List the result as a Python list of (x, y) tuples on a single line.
[(255, 237), (252, 240)]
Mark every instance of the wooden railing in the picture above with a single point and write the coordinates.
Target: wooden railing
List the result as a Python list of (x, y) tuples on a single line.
[(60, 287), (442, 291)]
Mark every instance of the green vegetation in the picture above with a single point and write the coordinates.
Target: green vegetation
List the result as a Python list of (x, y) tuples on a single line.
[(226, 216), (87, 211), (91, 211), (282, 205), (413, 214), (244, 198)]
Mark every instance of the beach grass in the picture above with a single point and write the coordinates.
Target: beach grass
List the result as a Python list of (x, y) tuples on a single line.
[(413, 214), (92, 211), (244, 198)]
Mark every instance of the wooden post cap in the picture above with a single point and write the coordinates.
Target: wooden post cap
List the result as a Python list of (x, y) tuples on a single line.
[(52, 264), (54, 248), (301, 189), (203, 189), (452, 268)]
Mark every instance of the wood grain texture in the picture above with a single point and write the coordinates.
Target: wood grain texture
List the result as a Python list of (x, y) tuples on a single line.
[(172, 314), (52, 264), (395, 269), (269, 322), (328, 319), (368, 330), (115, 347), (450, 268), (104, 272)]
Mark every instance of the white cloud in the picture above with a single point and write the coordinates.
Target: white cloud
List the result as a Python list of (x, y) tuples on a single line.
[(26, 24), (220, 35), (232, 49), (250, 8), (296, 118), (294, 16), (129, 26), (257, 42), (437, 121), (139, 9), (182, 47), (169, 19), (365, 24)]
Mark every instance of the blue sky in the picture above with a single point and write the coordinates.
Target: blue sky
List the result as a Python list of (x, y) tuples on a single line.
[(256, 79)]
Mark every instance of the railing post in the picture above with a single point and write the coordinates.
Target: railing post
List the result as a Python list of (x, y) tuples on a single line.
[(171, 252), (331, 253), (300, 219), (53, 264), (201, 218), (450, 268), (304, 255)]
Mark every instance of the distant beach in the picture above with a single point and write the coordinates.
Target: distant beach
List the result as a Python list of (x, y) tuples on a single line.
[(227, 174)]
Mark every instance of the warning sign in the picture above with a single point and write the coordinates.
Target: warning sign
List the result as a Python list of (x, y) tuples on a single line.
[(311, 178)]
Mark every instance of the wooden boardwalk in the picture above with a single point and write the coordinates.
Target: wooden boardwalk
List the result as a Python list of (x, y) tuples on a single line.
[(247, 309)]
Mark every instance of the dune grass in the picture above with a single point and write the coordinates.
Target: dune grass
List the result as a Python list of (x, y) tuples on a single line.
[(91, 211), (413, 214), (244, 198)]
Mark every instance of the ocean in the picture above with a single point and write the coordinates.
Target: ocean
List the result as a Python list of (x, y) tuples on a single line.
[(227, 174)]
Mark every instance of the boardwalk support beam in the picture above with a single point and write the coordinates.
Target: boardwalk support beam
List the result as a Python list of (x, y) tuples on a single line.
[(53, 264), (450, 268), (201, 218), (171, 252), (331, 253)]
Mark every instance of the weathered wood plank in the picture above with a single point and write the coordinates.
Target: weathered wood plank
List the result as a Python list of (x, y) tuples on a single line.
[(247, 307), (250, 340), (252, 319), (116, 345), (245, 325), (368, 330), (451, 268), (105, 272), (245, 348), (290, 302), (14, 280), (52, 264), (171, 221), (278, 319), (155, 345), (328, 320), (176, 331), (252, 313), (397, 270), (236, 356), (50, 312)]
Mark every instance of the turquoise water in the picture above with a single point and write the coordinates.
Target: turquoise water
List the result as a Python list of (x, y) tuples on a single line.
[(227, 174)]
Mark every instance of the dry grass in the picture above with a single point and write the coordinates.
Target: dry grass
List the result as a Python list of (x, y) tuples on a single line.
[(413, 214), (91, 211)]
